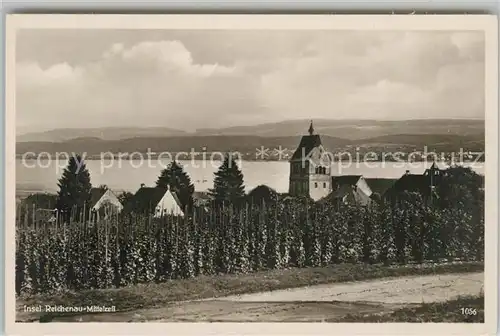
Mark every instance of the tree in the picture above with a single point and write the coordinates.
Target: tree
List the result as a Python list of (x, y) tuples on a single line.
[(74, 187), (177, 180), (228, 182), (460, 187), (125, 197)]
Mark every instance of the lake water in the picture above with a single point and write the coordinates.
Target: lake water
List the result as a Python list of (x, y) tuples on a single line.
[(127, 175)]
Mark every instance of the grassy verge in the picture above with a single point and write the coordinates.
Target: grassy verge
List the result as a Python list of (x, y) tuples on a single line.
[(157, 294), (447, 312)]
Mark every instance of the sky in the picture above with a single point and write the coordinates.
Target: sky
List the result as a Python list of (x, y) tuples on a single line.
[(195, 79)]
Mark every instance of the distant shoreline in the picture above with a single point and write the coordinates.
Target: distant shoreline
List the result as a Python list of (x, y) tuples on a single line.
[(245, 159)]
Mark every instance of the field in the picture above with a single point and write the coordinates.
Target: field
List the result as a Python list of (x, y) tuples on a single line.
[(138, 262)]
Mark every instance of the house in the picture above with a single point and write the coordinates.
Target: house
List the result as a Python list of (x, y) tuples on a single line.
[(424, 184), (379, 186), (262, 193), (157, 201), (45, 215), (103, 201), (37, 207), (349, 194), (201, 199), (352, 189), (40, 201), (356, 181), (310, 167)]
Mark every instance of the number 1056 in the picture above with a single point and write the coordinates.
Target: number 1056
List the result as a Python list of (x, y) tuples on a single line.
[(468, 311)]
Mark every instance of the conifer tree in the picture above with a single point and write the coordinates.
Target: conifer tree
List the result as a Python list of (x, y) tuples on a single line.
[(228, 182), (74, 187), (177, 180)]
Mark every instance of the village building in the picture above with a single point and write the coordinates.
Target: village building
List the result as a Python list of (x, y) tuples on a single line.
[(379, 187), (38, 208), (103, 202), (310, 168), (262, 194), (45, 216), (40, 201), (156, 201), (423, 184), (201, 199), (352, 189)]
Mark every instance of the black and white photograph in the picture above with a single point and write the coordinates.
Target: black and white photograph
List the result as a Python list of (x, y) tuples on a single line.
[(253, 175)]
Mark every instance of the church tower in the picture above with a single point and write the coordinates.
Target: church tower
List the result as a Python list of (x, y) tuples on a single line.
[(310, 168)]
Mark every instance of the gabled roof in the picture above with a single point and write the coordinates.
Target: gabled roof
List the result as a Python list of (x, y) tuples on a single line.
[(307, 144), (201, 195), (353, 195), (147, 198), (96, 194), (45, 215), (262, 192), (346, 179), (176, 198), (412, 182), (41, 200), (380, 185)]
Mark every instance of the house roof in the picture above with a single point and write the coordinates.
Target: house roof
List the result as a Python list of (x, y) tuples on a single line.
[(41, 200), (412, 182), (201, 198), (176, 198), (355, 195), (262, 192), (146, 198), (96, 194), (201, 195), (346, 179), (45, 215), (380, 185), (307, 144)]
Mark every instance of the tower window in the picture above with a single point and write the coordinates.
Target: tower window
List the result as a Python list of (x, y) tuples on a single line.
[(315, 184), (324, 184)]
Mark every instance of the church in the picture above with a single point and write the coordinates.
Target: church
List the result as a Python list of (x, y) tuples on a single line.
[(310, 168)]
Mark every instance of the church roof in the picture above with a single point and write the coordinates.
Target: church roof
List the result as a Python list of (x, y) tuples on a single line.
[(307, 144)]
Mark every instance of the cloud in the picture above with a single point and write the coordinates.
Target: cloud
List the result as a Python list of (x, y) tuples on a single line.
[(398, 76), (149, 83), (246, 78)]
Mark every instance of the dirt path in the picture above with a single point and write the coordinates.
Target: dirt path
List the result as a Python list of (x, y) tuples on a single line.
[(315, 303), (404, 290)]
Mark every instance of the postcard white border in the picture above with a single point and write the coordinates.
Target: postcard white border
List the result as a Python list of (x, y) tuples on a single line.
[(486, 23)]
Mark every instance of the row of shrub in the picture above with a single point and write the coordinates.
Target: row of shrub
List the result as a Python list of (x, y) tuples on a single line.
[(125, 250)]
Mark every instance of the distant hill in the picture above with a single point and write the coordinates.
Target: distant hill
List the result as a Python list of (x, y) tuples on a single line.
[(346, 129), (357, 129), (436, 134), (250, 144), (104, 133), (243, 144), (438, 142)]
